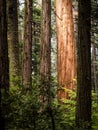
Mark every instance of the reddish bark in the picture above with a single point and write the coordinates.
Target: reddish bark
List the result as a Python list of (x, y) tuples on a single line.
[(65, 47)]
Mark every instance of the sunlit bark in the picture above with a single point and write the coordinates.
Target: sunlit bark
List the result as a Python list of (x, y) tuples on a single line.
[(66, 47)]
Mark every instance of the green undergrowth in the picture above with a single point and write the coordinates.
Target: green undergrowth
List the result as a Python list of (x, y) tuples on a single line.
[(24, 112)]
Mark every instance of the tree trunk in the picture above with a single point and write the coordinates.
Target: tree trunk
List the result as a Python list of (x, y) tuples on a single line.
[(4, 63), (65, 47), (13, 43), (45, 63), (83, 107), (27, 49)]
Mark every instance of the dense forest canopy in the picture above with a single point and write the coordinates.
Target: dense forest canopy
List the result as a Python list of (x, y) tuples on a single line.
[(48, 65)]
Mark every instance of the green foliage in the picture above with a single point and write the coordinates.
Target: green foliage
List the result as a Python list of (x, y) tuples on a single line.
[(37, 14), (65, 113), (94, 111), (24, 112)]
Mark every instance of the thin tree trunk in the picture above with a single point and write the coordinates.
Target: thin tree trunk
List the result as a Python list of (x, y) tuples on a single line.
[(65, 47), (83, 108), (27, 49)]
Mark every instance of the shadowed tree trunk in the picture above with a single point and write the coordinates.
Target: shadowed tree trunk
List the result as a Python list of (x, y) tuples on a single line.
[(27, 49), (13, 43), (65, 47), (45, 63), (83, 108), (4, 64)]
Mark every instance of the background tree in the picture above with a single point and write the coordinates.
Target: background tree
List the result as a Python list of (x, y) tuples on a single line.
[(94, 45), (27, 48), (83, 108), (13, 42), (20, 32), (66, 47), (36, 39)]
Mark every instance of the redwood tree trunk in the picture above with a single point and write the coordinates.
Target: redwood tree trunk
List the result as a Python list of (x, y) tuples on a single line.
[(45, 64), (13, 43), (27, 49), (4, 64), (65, 47), (83, 108)]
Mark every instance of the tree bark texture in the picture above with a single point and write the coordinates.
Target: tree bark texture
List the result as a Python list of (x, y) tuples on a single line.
[(83, 107), (27, 48), (65, 47), (13, 43), (4, 62), (45, 62)]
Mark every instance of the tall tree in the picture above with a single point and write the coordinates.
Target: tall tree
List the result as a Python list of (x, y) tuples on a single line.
[(65, 47), (83, 108), (27, 49), (45, 62), (13, 42), (4, 64)]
